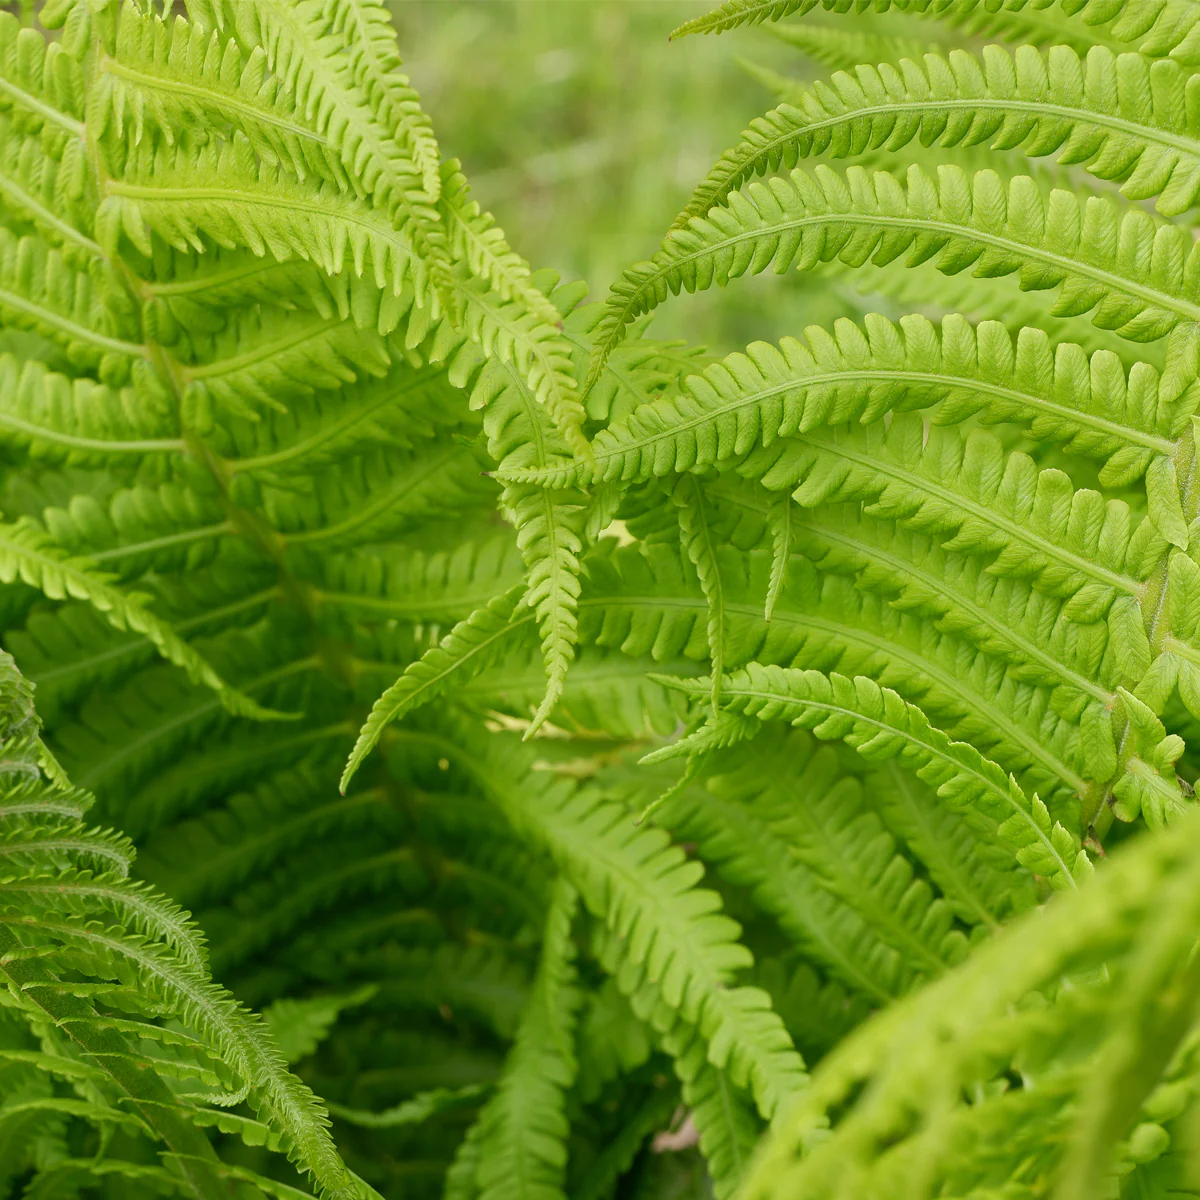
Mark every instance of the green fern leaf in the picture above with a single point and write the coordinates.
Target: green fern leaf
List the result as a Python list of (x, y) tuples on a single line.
[(879, 724), (1131, 20), (464, 652), (1059, 102), (1100, 258), (523, 1128), (27, 554)]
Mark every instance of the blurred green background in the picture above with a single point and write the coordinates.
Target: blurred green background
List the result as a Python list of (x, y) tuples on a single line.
[(584, 130)]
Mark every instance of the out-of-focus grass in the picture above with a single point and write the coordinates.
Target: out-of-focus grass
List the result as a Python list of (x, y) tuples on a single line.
[(584, 130)]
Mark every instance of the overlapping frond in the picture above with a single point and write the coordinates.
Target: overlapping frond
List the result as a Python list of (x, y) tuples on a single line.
[(643, 888), (880, 725), (29, 555), (1123, 117), (1083, 1080), (290, 428), (1126, 22), (1060, 393), (468, 649), (178, 77), (1129, 271), (109, 928), (523, 1129)]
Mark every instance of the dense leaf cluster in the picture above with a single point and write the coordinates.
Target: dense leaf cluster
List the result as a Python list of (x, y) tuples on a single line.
[(577, 745)]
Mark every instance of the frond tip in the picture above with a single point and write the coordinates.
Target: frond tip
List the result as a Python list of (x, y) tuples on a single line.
[(470, 647)]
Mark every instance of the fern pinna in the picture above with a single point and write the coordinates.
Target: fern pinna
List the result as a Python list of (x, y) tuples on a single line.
[(567, 738)]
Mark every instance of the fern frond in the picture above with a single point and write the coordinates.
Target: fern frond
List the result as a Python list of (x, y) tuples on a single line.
[(1130, 21), (375, 63), (477, 240), (523, 1128), (1010, 996), (41, 291), (42, 83), (841, 49), (304, 48), (699, 545), (44, 191), (970, 871), (1102, 111), (226, 195), (850, 857), (373, 496), (73, 649), (1002, 617), (222, 192), (631, 878), (984, 299), (645, 602), (28, 555), (550, 525), (1087, 403), (548, 536), (154, 950), (282, 407), (137, 907), (1124, 267), (741, 840), (213, 855), (169, 716), (222, 1022), (266, 360), (39, 847), (879, 724), (402, 408), (724, 1121), (418, 586), (78, 420), (1038, 520), (517, 338), (469, 647), (180, 77)]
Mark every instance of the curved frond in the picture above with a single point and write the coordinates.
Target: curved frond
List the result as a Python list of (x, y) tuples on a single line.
[(1130, 19), (879, 724), (1011, 996), (1125, 118), (469, 647), (28, 554), (1126, 269)]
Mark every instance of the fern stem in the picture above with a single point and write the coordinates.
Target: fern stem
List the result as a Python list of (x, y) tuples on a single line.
[(72, 329), (73, 126)]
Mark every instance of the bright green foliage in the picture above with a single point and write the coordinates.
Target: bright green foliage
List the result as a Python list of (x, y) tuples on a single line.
[(880, 725), (1057, 1033), (1123, 117), (371, 584), (82, 1037)]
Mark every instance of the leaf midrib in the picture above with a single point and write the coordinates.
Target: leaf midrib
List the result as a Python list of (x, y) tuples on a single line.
[(1049, 111), (1069, 266)]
